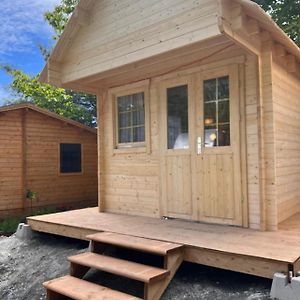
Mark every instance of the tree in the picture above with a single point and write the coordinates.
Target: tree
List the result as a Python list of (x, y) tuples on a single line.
[(286, 13), (29, 89), (77, 106), (59, 17)]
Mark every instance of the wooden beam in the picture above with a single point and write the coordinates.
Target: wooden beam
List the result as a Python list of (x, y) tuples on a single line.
[(82, 16), (279, 50), (234, 262), (291, 63), (24, 156), (265, 36), (252, 27)]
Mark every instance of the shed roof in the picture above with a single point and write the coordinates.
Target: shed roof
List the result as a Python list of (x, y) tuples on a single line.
[(47, 113)]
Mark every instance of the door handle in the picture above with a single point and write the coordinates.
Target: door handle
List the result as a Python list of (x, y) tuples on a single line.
[(199, 145)]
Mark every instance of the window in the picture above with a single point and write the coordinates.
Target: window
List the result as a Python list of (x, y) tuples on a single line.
[(178, 123), (131, 119), (217, 112), (70, 158)]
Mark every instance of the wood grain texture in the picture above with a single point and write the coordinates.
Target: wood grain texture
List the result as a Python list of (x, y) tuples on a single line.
[(238, 249), (30, 161)]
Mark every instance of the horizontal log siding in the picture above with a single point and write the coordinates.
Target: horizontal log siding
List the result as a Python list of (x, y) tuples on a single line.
[(123, 32), (286, 93)]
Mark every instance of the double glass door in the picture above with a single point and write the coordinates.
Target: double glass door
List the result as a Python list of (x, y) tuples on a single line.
[(200, 143)]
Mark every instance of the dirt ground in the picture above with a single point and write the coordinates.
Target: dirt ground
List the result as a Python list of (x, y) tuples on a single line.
[(24, 266)]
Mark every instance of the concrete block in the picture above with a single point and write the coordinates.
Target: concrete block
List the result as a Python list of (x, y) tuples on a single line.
[(24, 232), (283, 290)]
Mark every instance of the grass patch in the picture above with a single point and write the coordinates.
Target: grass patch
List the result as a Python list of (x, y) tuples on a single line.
[(10, 225)]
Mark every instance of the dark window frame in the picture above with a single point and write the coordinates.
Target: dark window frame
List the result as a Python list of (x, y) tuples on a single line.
[(64, 167)]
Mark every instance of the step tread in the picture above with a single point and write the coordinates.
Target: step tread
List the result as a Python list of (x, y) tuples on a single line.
[(132, 242), (119, 267), (79, 289)]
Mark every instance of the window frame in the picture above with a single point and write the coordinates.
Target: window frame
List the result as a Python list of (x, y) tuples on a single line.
[(59, 160), (132, 147)]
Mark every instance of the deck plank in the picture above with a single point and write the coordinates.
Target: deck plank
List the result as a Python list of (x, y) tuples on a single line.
[(282, 245)]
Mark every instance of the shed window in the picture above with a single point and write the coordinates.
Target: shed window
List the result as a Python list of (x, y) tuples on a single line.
[(131, 119), (70, 158), (217, 112)]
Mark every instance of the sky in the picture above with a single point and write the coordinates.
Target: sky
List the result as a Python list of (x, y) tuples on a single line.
[(22, 29)]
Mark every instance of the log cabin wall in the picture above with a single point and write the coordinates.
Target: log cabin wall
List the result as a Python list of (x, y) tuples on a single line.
[(11, 166), (286, 97), (129, 182), (44, 136), (30, 160)]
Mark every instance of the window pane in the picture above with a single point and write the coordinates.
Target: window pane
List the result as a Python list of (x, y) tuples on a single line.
[(223, 111), (124, 119), (131, 114), (224, 135), (70, 158), (210, 113), (125, 136), (138, 117), (178, 127), (210, 138), (210, 90), (217, 112), (223, 88), (139, 134)]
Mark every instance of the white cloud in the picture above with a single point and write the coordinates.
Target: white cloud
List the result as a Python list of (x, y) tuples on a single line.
[(4, 94), (22, 23)]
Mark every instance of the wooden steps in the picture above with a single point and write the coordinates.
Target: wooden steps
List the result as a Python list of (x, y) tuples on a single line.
[(119, 267), (155, 279), (78, 289), (132, 242)]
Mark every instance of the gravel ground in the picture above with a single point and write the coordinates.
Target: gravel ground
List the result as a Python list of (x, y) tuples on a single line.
[(24, 266)]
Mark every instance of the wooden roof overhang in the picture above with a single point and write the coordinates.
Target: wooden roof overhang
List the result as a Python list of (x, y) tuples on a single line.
[(242, 22)]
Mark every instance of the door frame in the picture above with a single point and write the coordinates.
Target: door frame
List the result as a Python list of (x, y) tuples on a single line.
[(164, 151), (190, 77)]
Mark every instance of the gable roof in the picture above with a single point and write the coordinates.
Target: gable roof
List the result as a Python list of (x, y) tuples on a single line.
[(47, 113), (80, 17)]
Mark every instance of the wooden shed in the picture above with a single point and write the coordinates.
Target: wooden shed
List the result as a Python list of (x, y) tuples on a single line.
[(49, 155), (199, 109), (198, 120)]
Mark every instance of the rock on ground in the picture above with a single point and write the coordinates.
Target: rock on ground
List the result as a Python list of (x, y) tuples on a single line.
[(25, 265)]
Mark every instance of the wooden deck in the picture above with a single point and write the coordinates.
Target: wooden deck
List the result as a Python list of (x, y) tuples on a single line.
[(238, 249)]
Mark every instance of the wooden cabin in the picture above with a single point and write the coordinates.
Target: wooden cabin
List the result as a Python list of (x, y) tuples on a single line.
[(199, 120), (50, 156), (199, 108)]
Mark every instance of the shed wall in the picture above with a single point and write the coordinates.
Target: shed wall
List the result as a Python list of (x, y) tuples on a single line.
[(286, 96), (129, 183), (44, 135), (11, 186)]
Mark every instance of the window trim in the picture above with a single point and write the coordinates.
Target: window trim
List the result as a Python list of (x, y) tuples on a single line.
[(59, 157), (135, 147)]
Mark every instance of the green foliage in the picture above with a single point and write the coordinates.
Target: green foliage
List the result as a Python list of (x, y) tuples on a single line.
[(59, 17), (286, 13), (9, 225), (28, 89)]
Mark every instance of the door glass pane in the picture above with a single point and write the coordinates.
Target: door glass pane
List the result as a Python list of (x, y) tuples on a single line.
[(177, 110), (216, 112)]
